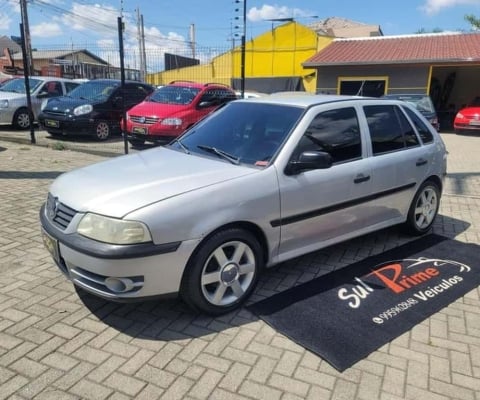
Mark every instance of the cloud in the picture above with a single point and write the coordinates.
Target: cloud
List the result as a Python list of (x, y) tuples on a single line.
[(5, 22), (267, 12), (45, 29), (432, 7), (101, 19)]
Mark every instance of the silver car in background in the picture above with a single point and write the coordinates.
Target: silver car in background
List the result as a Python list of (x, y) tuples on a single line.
[(13, 97), (256, 183)]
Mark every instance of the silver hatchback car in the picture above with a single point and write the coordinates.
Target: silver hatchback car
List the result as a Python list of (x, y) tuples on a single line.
[(256, 183)]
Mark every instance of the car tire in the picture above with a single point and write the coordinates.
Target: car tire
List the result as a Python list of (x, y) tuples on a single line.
[(103, 130), (21, 119), (223, 272), (424, 209)]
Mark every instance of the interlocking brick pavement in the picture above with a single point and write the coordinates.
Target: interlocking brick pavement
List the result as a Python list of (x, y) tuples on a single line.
[(56, 343)]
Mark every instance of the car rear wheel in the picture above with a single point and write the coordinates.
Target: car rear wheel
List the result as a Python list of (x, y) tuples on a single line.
[(424, 209), (102, 130), (222, 274), (21, 119)]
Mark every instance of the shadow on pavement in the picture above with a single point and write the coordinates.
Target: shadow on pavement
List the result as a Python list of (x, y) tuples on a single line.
[(171, 319), (30, 174)]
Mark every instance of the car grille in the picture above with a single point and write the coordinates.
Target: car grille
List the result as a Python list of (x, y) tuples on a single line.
[(59, 213), (144, 120), (53, 113)]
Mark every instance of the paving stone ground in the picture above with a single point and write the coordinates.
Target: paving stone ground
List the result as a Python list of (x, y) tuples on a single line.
[(56, 343)]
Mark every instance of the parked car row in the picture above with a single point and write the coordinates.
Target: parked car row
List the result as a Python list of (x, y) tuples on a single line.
[(94, 108)]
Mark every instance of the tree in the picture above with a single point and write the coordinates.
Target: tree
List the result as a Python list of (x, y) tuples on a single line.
[(475, 22)]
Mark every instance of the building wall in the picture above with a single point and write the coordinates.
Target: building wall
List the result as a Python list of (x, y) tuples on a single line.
[(276, 53), (400, 78)]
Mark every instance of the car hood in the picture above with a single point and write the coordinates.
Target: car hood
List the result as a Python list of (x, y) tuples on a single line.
[(65, 103), (159, 110), (121, 185)]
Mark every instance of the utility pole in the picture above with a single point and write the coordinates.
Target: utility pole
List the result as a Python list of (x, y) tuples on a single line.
[(26, 35), (192, 39), (141, 46)]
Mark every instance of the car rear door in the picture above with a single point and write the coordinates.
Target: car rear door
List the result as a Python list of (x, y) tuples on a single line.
[(399, 162)]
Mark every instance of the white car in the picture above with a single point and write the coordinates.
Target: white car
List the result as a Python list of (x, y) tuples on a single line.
[(13, 97), (256, 183)]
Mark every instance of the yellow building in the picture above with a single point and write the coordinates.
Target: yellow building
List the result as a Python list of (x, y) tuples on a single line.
[(273, 62)]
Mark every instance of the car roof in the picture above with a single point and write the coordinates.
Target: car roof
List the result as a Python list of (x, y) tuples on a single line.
[(198, 84), (302, 99), (401, 95), (46, 78)]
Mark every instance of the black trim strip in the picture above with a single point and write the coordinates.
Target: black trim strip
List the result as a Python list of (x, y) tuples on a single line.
[(93, 248), (336, 207)]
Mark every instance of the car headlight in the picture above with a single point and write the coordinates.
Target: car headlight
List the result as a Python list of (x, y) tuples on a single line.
[(3, 103), (81, 110), (112, 230), (460, 115), (172, 121)]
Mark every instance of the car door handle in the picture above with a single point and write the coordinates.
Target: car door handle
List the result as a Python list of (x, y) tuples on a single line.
[(421, 161), (361, 178)]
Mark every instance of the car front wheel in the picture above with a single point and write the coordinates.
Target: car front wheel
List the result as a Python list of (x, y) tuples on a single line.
[(21, 119), (102, 130), (424, 208), (222, 274)]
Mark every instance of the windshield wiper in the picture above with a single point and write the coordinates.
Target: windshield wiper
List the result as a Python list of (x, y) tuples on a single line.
[(184, 148), (221, 153)]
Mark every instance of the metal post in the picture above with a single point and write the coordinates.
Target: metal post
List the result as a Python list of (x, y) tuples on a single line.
[(242, 67), (26, 37), (122, 75), (27, 86)]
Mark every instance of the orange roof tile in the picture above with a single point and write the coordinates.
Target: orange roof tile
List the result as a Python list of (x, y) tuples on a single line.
[(421, 48)]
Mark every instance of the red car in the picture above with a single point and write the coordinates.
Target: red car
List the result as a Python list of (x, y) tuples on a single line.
[(468, 119), (172, 109)]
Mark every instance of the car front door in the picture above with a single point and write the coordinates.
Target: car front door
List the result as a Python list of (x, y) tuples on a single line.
[(321, 205)]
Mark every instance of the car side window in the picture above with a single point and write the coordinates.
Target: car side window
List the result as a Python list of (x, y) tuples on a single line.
[(336, 132), (217, 96), (69, 86), (52, 89), (422, 129), (389, 129), (134, 93)]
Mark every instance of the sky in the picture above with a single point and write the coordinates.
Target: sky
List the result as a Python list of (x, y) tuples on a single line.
[(170, 23)]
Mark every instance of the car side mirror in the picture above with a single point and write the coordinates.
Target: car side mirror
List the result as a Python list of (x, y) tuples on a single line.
[(206, 104), (309, 160)]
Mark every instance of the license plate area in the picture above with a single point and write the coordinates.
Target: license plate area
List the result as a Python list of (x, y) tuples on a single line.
[(51, 244), (140, 130), (52, 123), (475, 122)]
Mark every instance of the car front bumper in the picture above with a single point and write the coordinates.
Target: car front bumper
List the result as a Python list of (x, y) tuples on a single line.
[(117, 272), (65, 125)]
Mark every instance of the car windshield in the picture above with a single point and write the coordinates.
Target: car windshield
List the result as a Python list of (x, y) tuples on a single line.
[(96, 91), (421, 103), (174, 95), (242, 132), (18, 85)]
